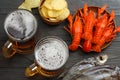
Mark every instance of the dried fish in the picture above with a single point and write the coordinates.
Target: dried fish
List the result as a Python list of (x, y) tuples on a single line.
[(103, 72), (82, 66)]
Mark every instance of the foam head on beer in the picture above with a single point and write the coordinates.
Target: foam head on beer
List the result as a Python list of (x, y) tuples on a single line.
[(51, 55), (20, 25)]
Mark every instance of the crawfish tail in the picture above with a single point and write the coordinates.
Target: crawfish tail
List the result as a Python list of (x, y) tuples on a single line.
[(87, 46), (110, 38), (96, 48), (75, 42)]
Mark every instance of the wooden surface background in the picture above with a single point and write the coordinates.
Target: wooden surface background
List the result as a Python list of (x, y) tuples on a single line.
[(13, 69)]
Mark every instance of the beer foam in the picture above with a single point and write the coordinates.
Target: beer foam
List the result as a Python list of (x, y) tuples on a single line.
[(20, 24), (51, 56)]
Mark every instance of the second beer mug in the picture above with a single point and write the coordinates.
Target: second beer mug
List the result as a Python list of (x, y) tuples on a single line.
[(20, 26), (51, 54)]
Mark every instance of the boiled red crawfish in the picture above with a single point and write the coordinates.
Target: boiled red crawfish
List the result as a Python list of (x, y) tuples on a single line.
[(93, 29), (105, 30), (88, 22), (75, 29)]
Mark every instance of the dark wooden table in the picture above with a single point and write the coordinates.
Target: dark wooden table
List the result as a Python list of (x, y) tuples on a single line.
[(13, 69)]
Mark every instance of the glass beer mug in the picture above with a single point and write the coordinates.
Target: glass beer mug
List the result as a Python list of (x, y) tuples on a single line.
[(51, 54), (20, 26)]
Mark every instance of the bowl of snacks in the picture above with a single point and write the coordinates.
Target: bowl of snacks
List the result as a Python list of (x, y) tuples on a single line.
[(91, 28), (53, 11)]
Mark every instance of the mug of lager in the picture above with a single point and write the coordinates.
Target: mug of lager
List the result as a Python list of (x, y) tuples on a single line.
[(51, 54), (20, 26)]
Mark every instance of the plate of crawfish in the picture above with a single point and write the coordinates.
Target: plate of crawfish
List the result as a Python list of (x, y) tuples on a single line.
[(92, 28)]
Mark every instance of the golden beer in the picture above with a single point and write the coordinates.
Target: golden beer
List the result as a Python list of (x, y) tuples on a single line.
[(20, 26), (51, 54)]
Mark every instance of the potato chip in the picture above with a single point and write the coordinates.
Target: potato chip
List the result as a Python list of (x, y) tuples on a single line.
[(47, 4), (34, 3), (53, 19), (28, 4), (64, 15), (44, 11), (54, 10), (55, 13), (25, 6), (58, 4)]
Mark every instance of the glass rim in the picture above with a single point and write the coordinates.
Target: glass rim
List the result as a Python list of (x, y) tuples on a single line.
[(55, 38), (27, 38)]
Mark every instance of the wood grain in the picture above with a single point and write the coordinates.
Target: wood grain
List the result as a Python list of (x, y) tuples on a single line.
[(13, 69)]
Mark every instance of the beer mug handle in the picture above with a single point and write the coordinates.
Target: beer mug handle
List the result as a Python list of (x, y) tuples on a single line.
[(31, 70), (7, 50)]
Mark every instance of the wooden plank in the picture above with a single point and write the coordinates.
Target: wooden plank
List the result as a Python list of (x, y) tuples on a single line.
[(13, 69)]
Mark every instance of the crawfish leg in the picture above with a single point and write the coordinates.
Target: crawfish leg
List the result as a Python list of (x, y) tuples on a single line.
[(70, 26), (70, 19), (101, 10)]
